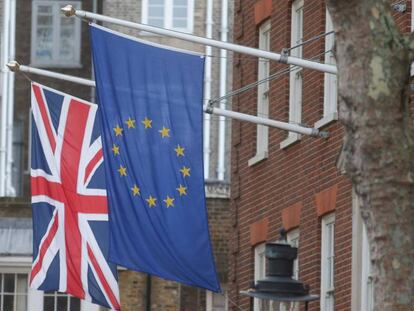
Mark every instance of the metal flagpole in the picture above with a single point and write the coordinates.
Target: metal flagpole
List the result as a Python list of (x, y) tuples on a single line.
[(71, 11), (15, 67)]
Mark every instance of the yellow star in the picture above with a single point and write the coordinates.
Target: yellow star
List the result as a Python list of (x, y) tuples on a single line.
[(130, 122), (169, 201), (151, 201), (179, 150), (118, 130), (185, 171), (147, 123), (115, 149), (165, 132), (135, 190), (182, 190), (122, 170)]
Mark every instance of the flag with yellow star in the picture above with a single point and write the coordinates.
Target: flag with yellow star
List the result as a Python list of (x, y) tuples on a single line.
[(151, 114)]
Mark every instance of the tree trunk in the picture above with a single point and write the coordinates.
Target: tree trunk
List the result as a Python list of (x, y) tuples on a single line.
[(373, 59)]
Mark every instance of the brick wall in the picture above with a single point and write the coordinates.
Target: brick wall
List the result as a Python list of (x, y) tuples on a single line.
[(294, 175)]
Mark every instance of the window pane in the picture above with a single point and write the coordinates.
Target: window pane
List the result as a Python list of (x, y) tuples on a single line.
[(62, 303), (74, 304), (159, 22), (44, 9), (8, 303), (180, 12), (67, 45), (180, 23), (44, 48), (180, 2), (155, 2), (21, 302), (49, 303), (8, 283), (45, 20), (156, 11), (21, 284)]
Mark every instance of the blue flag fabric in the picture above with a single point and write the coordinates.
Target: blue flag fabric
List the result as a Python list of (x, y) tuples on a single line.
[(151, 114)]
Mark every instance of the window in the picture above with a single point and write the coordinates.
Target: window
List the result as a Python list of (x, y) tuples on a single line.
[(13, 291), (55, 38), (295, 76), (216, 301), (327, 263), (172, 14), (60, 302), (362, 286), (262, 96), (15, 295), (330, 98)]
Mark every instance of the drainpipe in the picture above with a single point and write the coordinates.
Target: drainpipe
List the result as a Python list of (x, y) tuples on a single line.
[(93, 96), (207, 89), (223, 89), (10, 191), (4, 101)]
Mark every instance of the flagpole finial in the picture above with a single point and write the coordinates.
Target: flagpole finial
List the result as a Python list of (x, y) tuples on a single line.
[(68, 10), (13, 66)]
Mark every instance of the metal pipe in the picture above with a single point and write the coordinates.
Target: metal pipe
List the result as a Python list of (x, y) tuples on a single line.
[(4, 98), (71, 11), (207, 89), (221, 169), (14, 66), (9, 189)]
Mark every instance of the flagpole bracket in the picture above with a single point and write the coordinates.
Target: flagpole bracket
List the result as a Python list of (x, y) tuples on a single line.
[(210, 107), (68, 10), (284, 55), (323, 134), (13, 66)]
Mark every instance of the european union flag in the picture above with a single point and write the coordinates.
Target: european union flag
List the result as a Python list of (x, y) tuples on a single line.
[(151, 118)]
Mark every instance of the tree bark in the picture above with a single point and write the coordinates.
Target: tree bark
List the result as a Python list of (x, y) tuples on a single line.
[(373, 59)]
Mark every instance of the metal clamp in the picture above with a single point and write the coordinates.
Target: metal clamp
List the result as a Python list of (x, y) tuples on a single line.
[(210, 107), (284, 55)]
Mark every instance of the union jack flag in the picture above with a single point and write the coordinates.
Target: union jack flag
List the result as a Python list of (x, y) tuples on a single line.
[(70, 214)]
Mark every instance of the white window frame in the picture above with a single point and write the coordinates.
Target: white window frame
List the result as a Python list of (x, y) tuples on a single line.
[(168, 16), (55, 62), (328, 252), (330, 98), (262, 132), (259, 270), (22, 264), (362, 286), (295, 75)]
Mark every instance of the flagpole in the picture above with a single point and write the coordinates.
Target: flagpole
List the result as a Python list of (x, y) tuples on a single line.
[(15, 67), (69, 10)]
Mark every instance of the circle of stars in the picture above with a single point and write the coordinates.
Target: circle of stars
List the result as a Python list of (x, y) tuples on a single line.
[(135, 191)]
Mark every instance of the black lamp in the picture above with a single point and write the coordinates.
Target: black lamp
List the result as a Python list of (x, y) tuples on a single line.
[(278, 284)]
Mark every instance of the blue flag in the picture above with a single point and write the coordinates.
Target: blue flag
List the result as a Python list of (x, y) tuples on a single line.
[(151, 117)]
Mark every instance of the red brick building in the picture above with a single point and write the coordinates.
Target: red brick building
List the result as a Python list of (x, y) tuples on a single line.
[(282, 179)]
